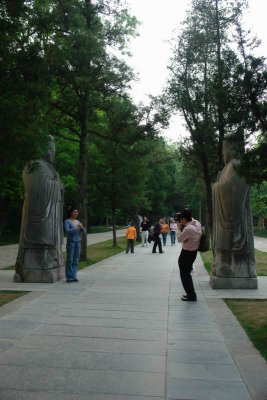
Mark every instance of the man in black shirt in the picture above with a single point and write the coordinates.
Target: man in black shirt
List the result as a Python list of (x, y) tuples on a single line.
[(145, 228), (157, 240)]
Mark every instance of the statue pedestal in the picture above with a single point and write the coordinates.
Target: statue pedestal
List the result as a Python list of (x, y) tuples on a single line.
[(219, 282), (40, 276)]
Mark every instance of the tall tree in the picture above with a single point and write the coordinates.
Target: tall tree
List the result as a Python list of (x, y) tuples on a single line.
[(24, 93), (123, 136), (77, 41), (208, 85)]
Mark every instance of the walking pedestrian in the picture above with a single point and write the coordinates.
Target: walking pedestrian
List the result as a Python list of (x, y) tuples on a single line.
[(144, 234), (189, 233), (157, 240), (173, 231)]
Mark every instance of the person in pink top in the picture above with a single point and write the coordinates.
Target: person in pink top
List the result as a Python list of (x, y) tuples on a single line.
[(188, 233)]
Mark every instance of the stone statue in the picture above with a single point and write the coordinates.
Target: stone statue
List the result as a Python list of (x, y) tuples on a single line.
[(40, 257), (233, 242)]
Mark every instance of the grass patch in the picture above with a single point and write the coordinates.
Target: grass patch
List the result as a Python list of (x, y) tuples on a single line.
[(9, 295), (100, 251), (260, 256), (252, 315), (260, 232), (99, 229), (261, 262), (207, 260)]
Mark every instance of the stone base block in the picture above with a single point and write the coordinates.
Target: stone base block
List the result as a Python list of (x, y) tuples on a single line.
[(218, 282), (40, 276)]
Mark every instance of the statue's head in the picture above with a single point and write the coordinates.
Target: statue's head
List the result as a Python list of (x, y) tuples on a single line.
[(230, 146), (49, 156), (228, 151)]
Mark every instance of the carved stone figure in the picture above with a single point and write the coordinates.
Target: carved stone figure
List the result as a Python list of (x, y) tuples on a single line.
[(40, 257), (233, 242)]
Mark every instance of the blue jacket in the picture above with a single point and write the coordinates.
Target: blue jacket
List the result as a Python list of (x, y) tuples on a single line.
[(73, 232)]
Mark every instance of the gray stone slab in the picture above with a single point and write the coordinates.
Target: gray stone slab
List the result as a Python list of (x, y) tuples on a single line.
[(83, 360), (101, 332), (257, 387), (231, 332), (108, 322), (93, 344), (201, 336), (186, 389), (115, 307), (252, 365), (83, 381), (241, 347), (38, 309), (199, 357), (203, 371), (206, 345), (16, 329), (112, 314), (134, 300), (48, 395), (5, 344), (178, 325)]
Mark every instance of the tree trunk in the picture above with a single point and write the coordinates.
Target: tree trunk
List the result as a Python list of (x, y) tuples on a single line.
[(114, 227), (5, 203), (219, 96), (261, 222), (207, 180), (137, 226), (82, 172), (107, 220)]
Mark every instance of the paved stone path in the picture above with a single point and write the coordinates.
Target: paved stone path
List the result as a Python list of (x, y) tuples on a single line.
[(8, 253), (260, 243), (122, 333)]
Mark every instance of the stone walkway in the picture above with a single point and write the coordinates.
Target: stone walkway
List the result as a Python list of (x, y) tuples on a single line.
[(122, 333)]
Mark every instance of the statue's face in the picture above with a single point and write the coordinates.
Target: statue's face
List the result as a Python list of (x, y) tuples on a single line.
[(227, 153), (51, 152)]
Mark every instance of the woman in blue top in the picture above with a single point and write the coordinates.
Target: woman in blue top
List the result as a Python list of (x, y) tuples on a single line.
[(74, 229)]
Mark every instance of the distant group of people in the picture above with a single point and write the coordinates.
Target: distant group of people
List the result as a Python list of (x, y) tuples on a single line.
[(186, 229)]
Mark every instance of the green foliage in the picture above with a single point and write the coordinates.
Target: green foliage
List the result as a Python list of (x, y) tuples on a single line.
[(219, 89), (260, 232), (23, 92), (259, 203), (118, 156)]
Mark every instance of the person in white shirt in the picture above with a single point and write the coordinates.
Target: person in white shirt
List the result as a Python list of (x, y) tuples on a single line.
[(173, 231)]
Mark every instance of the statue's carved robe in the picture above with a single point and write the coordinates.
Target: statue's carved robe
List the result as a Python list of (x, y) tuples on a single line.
[(41, 233), (233, 243)]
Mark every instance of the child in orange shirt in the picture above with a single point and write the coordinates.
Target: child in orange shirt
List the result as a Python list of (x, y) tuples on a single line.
[(164, 231), (131, 237)]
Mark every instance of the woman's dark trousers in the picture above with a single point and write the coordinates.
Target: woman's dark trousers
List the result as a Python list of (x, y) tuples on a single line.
[(185, 262), (157, 242)]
